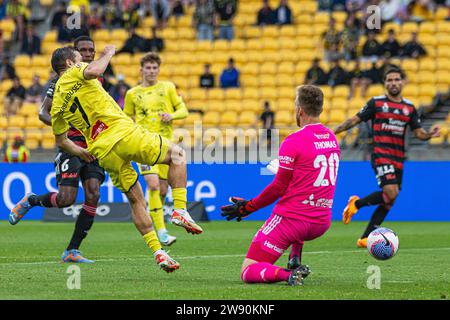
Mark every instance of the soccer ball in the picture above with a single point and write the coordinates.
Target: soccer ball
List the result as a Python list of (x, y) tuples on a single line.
[(382, 243)]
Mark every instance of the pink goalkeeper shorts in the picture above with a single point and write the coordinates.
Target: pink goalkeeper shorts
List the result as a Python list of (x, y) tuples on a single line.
[(278, 233)]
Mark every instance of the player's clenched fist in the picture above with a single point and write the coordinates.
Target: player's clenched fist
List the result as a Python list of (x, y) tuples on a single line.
[(240, 208), (109, 50)]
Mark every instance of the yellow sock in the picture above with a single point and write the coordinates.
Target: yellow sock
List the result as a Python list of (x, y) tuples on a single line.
[(152, 241), (179, 198), (156, 211)]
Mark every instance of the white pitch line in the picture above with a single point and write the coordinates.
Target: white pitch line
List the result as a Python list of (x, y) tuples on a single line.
[(145, 257)]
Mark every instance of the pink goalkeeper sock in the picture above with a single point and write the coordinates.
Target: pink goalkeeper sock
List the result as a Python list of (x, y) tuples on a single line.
[(264, 272)]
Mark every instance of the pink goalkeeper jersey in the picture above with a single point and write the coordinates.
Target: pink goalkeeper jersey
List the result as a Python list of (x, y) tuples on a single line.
[(312, 153)]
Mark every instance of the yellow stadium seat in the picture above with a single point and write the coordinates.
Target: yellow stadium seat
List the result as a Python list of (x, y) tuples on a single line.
[(443, 39), (268, 92), (289, 32), (102, 35), (7, 25), (198, 94), (249, 81), (339, 103), (443, 26), (221, 45), (285, 80), (119, 34), (211, 118), (250, 68), (409, 27), (270, 32), (229, 118), (170, 34), (192, 118), (233, 93), (410, 65), (441, 13), (216, 105), (443, 64), (337, 116), (29, 110), (270, 44), (234, 105), (3, 123), (251, 93), (443, 51), (310, 7), (16, 121), (48, 143), (181, 82), (411, 90), (375, 90), (427, 27), (427, 90), (427, 77), (238, 44), (215, 93), (34, 122), (40, 61), (442, 77), (286, 92), (35, 134), (284, 118), (268, 68), (254, 44), (341, 91), (305, 19), (247, 118), (251, 104), (22, 61), (122, 59), (252, 32)]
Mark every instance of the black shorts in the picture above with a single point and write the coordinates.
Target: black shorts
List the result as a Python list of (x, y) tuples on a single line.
[(69, 169), (388, 174)]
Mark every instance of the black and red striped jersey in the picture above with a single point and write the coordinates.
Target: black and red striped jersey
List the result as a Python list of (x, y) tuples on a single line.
[(389, 122), (73, 134)]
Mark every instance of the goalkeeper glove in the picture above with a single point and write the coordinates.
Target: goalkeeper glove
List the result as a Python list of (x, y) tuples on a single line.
[(273, 166), (240, 208)]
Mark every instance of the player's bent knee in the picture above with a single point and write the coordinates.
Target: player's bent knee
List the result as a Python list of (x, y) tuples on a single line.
[(177, 155), (65, 200)]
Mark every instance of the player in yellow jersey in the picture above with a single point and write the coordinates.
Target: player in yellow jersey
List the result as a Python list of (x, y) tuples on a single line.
[(115, 140), (154, 105)]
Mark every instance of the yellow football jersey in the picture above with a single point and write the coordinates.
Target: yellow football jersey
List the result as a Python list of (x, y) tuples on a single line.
[(145, 103), (90, 109)]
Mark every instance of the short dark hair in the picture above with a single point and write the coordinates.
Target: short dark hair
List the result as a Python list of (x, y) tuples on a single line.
[(60, 56), (310, 98), (81, 38), (393, 69), (151, 57)]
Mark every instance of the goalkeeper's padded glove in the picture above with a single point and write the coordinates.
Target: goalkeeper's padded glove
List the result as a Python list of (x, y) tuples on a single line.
[(273, 166), (240, 208)]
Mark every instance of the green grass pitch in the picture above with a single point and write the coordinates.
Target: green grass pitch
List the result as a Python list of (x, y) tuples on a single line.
[(210, 264)]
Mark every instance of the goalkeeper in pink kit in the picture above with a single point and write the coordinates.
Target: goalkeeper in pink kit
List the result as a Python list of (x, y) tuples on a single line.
[(304, 184)]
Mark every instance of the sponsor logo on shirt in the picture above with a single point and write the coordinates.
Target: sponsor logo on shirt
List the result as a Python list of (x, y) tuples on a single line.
[(322, 136), (322, 202), (385, 107), (286, 159), (325, 145), (69, 175), (405, 111), (395, 129)]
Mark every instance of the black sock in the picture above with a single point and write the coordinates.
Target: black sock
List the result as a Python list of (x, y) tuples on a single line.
[(42, 200), (376, 220), (82, 226), (370, 200)]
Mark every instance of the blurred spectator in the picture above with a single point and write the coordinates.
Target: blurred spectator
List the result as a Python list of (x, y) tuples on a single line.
[(390, 9), (350, 38), (31, 43), (331, 40), (17, 152), (357, 79), (33, 93), (207, 78), (112, 14), (95, 20), (283, 13), (160, 10), (353, 6), (119, 90), (57, 18), (390, 48), (7, 70), (315, 75), (337, 75), (370, 76), (203, 19), (155, 43), (16, 10), (14, 97), (2, 43), (230, 76), (177, 9), (266, 15), (371, 48), (3, 4), (268, 121), (420, 10), (64, 34), (135, 43), (413, 48), (225, 13), (130, 16)]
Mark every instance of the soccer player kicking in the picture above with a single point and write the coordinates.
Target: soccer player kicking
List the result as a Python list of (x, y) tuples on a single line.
[(69, 169), (154, 105), (115, 140), (305, 183), (390, 115)]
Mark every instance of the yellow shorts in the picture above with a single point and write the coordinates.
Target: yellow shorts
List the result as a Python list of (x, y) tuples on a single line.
[(162, 170), (140, 146)]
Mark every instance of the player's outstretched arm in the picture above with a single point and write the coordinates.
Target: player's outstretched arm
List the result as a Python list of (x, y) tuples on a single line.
[(44, 112), (421, 134), (67, 145), (347, 124), (96, 68)]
